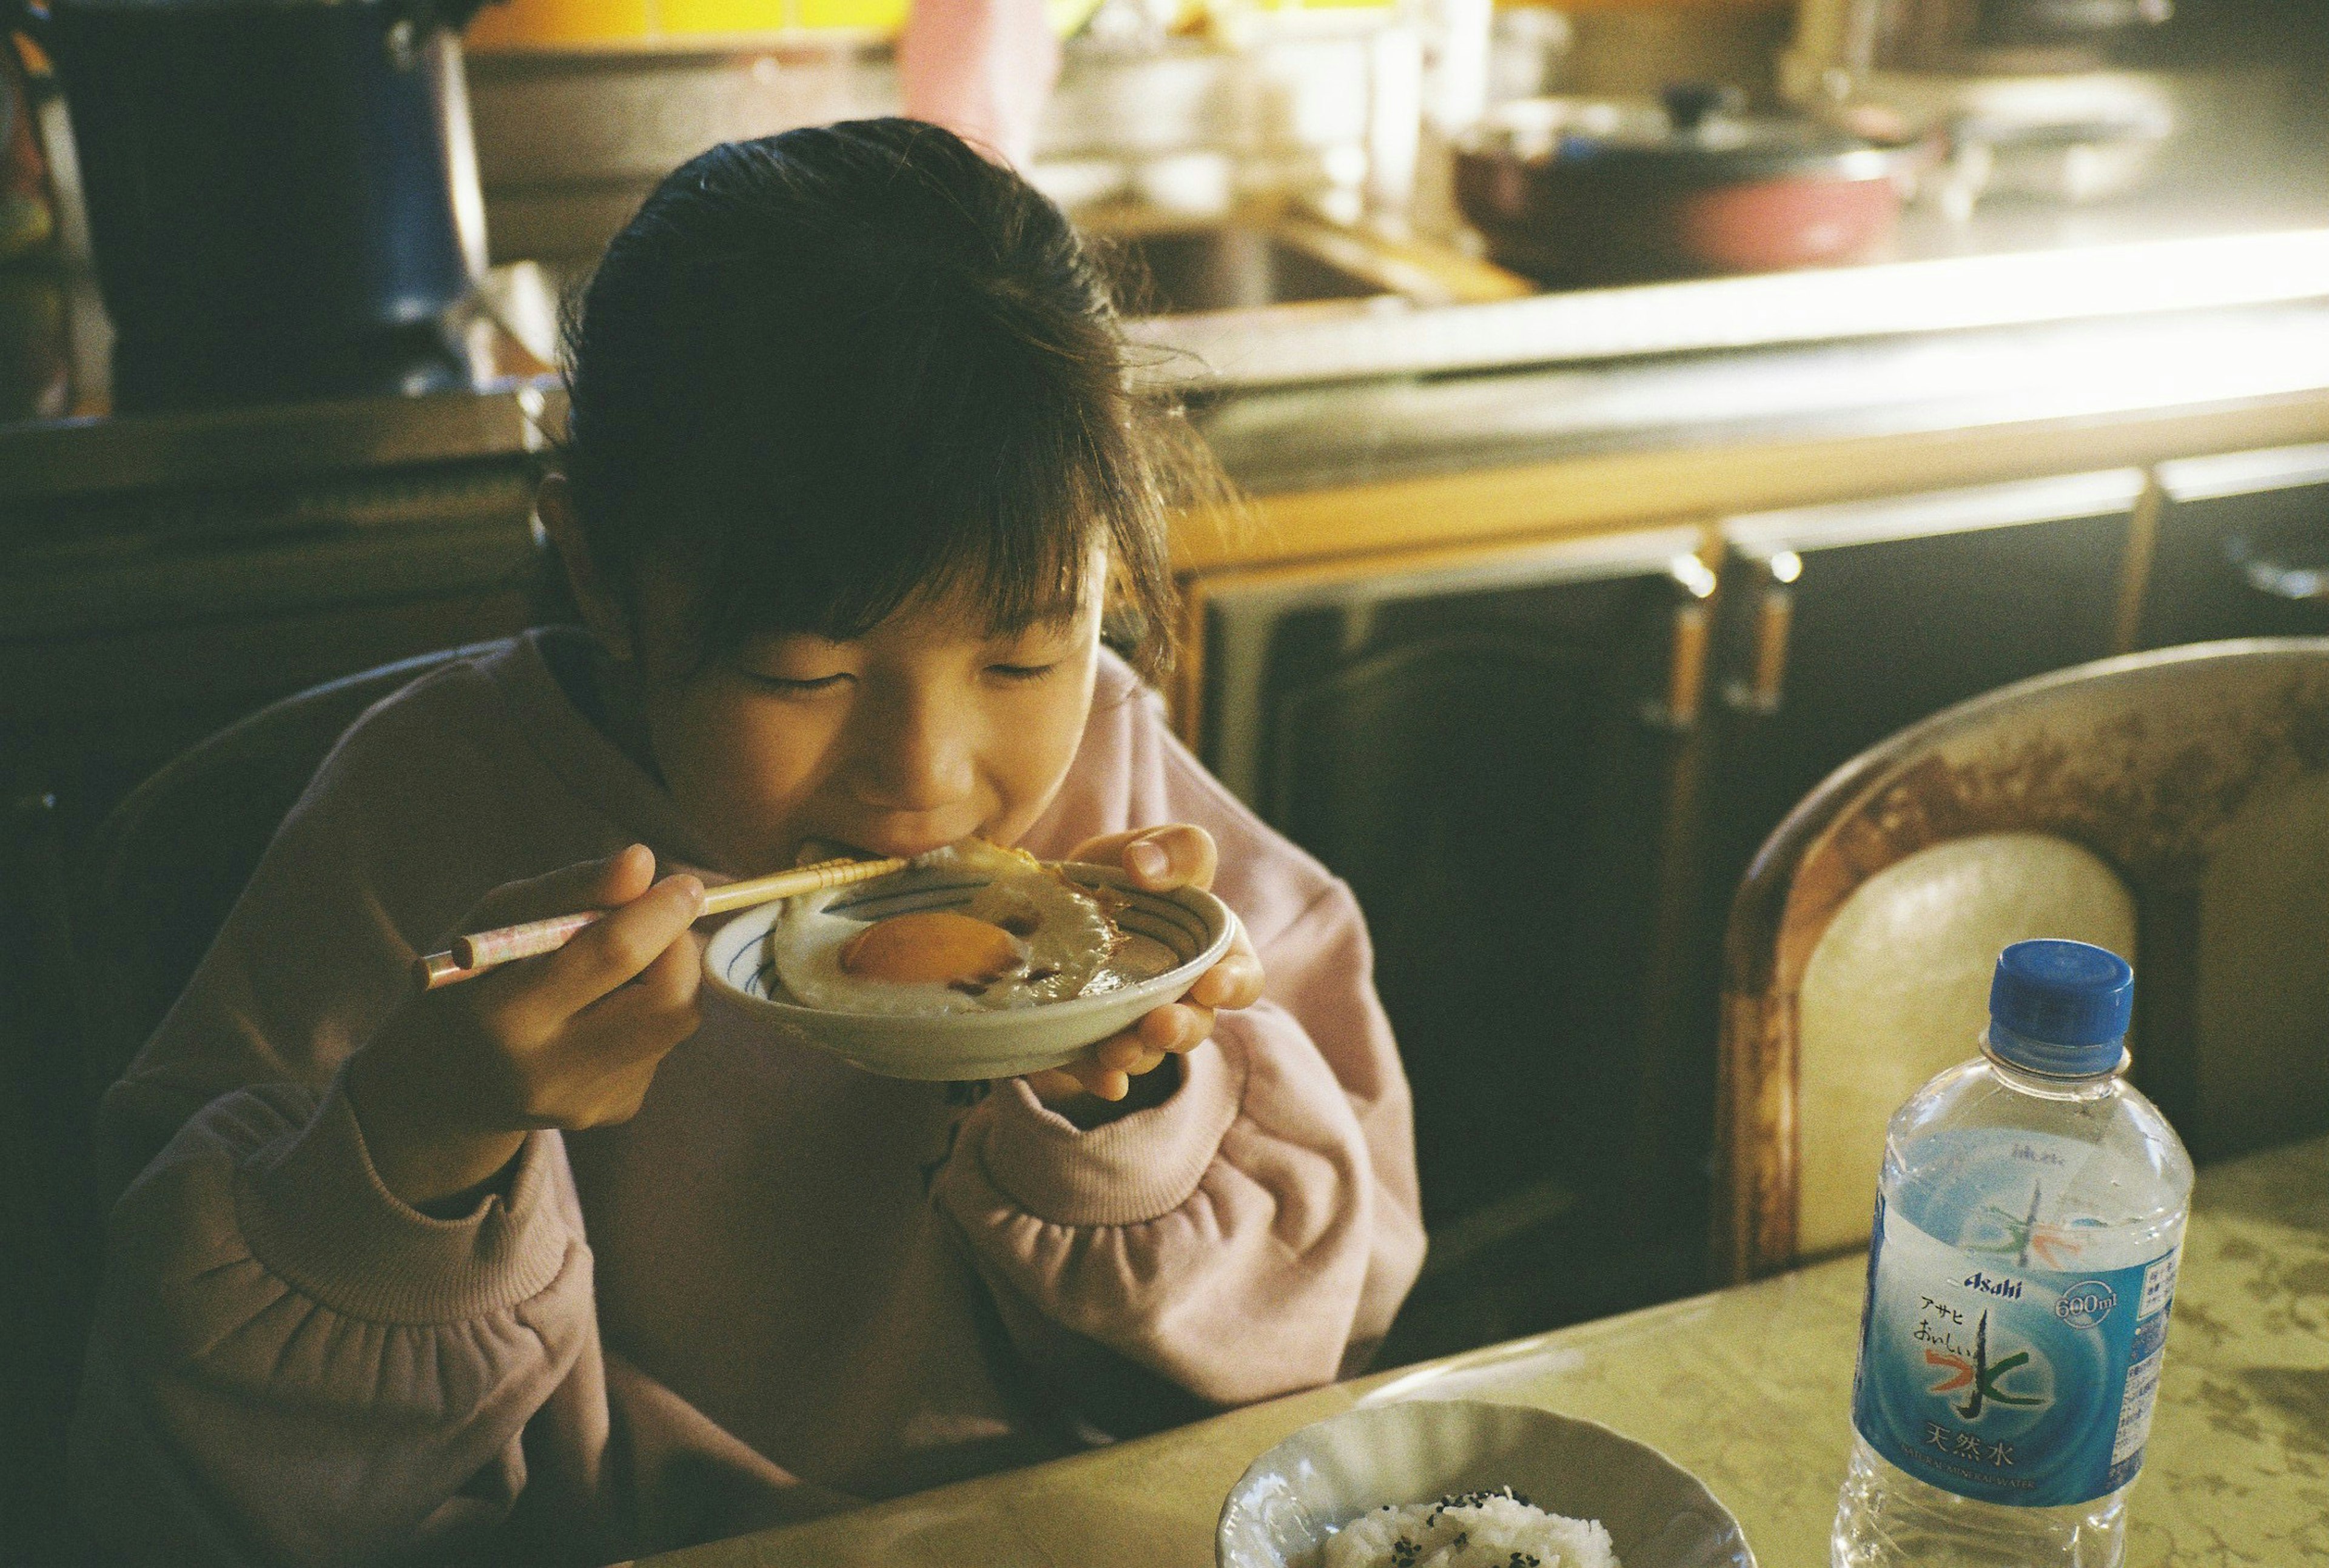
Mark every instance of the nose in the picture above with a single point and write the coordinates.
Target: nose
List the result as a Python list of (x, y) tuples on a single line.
[(916, 756)]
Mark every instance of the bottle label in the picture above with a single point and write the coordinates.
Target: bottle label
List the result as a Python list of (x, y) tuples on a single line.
[(1998, 1368)]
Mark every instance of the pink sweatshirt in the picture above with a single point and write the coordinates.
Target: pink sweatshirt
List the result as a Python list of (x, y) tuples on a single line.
[(784, 1286)]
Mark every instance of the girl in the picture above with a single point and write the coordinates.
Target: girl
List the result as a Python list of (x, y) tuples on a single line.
[(566, 1264)]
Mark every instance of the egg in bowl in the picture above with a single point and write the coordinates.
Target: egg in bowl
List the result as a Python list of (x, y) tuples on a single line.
[(1026, 934), (1037, 962)]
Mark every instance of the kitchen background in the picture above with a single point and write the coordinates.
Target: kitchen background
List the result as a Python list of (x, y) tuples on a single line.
[(1589, 529)]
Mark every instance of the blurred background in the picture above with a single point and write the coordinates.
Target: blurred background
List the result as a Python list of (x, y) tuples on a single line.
[(1647, 405)]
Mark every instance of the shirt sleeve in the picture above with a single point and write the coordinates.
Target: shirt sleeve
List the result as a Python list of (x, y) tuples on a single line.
[(289, 1365), (1256, 1231)]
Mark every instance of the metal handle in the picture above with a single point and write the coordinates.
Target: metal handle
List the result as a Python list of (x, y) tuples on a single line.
[(1685, 671), (1686, 690), (1765, 686)]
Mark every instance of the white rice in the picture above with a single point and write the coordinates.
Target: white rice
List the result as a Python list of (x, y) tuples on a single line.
[(1477, 1530)]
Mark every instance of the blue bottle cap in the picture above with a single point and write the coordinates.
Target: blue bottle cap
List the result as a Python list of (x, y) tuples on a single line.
[(2061, 1008)]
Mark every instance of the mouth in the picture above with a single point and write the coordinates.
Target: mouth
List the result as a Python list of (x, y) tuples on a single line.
[(903, 846)]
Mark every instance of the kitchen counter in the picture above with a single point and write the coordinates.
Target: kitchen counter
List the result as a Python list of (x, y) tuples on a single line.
[(204, 560), (1749, 1388), (1547, 373)]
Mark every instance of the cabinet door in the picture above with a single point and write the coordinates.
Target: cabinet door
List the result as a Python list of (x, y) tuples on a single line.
[(1484, 749), (2242, 547), (133, 626), (1851, 622)]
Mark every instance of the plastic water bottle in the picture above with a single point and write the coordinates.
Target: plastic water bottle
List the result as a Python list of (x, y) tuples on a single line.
[(2028, 1223)]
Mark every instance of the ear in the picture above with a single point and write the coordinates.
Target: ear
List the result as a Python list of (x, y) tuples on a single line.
[(601, 605)]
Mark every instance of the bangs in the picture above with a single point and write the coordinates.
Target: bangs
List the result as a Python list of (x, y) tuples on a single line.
[(967, 474), (847, 370), (936, 452)]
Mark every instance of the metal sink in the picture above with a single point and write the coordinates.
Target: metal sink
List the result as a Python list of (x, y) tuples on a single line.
[(1225, 267)]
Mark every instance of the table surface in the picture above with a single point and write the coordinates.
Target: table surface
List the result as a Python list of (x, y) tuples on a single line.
[(1747, 1387)]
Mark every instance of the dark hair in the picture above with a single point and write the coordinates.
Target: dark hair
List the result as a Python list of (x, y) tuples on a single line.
[(842, 369)]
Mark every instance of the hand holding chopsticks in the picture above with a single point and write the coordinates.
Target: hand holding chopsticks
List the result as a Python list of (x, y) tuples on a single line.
[(475, 954)]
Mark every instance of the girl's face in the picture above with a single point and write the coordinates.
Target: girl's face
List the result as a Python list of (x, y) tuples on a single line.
[(923, 731)]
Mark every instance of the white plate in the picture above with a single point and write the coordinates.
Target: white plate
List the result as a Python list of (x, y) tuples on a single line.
[(1004, 1044), (1658, 1514)]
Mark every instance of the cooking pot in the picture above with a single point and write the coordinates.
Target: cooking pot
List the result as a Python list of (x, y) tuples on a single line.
[(285, 171), (1590, 190)]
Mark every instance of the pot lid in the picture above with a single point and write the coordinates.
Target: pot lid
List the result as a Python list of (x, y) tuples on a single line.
[(1692, 135)]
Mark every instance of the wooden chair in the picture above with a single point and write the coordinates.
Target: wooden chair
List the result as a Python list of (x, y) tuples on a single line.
[(2172, 806), (167, 864)]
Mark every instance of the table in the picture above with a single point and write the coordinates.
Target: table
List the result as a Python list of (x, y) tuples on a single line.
[(1749, 1388)]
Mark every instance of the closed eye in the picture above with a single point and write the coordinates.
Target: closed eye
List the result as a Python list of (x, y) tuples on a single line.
[(1022, 672), (784, 685)]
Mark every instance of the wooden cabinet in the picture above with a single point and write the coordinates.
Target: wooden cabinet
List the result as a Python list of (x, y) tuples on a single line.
[(2240, 547), (1843, 624), (1543, 769), (132, 625), (1490, 747)]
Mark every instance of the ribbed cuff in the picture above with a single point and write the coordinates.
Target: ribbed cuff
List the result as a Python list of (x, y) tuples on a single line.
[(1123, 1172), (316, 1212)]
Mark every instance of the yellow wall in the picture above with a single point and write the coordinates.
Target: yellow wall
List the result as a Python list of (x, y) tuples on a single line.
[(535, 23), (539, 23)]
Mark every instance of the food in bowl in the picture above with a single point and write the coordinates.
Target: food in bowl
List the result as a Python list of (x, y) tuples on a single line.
[(1498, 1529), (993, 929)]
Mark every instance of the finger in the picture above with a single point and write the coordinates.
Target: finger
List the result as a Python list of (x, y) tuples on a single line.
[(1104, 1082), (601, 884), (670, 984), (1053, 1086), (1175, 1027), (1147, 1062), (597, 1098), (620, 1095), (1235, 982), (1176, 855), (1074, 1081), (621, 946), (1107, 850), (1118, 1051), (651, 1013)]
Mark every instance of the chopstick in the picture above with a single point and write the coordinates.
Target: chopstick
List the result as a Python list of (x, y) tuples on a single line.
[(475, 954)]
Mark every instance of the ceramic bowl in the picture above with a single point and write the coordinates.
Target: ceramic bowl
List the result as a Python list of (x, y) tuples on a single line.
[(1294, 1497), (1193, 923)]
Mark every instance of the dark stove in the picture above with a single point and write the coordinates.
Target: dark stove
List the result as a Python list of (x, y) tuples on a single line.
[(151, 377)]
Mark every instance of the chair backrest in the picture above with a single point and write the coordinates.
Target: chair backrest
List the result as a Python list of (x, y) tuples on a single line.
[(143, 902), (2172, 806), (167, 864)]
